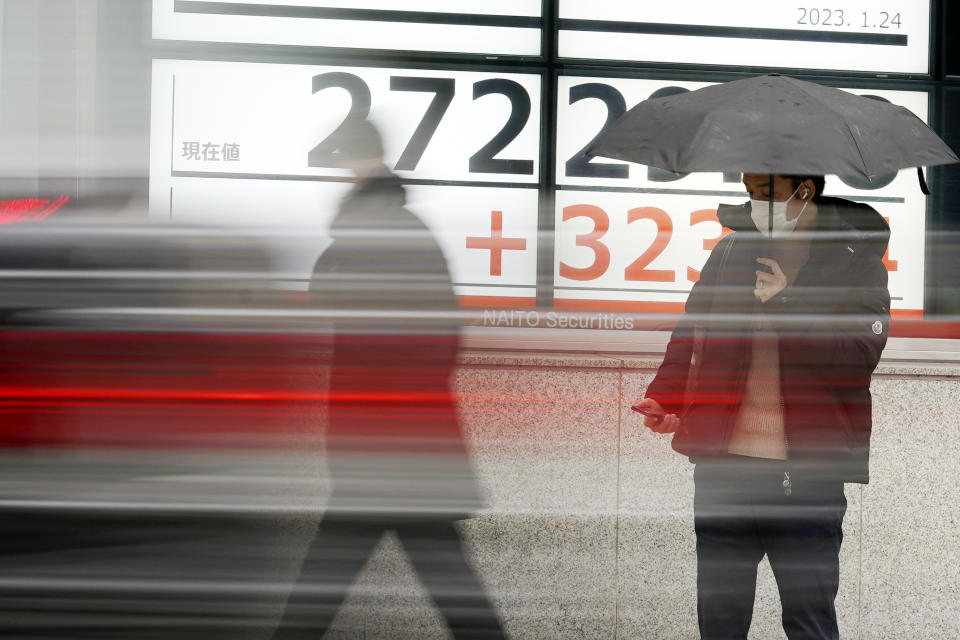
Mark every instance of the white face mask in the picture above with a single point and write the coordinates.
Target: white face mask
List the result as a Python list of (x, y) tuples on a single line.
[(760, 212)]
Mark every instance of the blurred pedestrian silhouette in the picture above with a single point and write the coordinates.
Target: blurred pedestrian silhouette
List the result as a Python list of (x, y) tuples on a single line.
[(396, 455)]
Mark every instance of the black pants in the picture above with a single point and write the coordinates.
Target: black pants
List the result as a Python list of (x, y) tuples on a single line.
[(742, 511), (342, 547)]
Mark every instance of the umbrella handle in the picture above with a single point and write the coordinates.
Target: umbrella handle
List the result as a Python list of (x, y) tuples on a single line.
[(923, 182)]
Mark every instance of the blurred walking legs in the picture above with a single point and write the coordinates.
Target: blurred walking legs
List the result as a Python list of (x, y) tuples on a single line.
[(339, 552)]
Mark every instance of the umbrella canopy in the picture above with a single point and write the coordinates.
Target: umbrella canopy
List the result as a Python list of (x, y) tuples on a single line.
[(773, 124)]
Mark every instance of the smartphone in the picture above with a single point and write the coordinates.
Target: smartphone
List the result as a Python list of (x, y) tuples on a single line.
[(649, 411)]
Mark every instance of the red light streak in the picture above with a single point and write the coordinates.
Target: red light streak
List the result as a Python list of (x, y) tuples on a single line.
[(24, 209)]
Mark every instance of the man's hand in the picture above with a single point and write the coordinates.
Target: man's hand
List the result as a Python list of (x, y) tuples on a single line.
[(667, 423), (769, 284)]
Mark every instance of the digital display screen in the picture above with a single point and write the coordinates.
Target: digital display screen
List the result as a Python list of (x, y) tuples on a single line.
[(892, 37), (249, 144), (494, 27), (633, 238)]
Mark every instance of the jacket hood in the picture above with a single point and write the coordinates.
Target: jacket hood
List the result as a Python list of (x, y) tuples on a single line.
[(861, 221)]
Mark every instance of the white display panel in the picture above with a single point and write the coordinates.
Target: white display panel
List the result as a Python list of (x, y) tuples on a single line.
[(494, 27), (890, 37), (249, 144), (633, 238)]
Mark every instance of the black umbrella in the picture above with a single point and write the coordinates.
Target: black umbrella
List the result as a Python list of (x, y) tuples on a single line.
[(773, 124)]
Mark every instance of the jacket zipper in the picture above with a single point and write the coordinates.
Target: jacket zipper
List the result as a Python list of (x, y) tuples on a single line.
[(787, 482)]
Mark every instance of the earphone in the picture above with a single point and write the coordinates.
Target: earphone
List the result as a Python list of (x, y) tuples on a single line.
[(806, 192)]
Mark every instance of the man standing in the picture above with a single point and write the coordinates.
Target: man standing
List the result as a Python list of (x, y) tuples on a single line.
[(765, 386)]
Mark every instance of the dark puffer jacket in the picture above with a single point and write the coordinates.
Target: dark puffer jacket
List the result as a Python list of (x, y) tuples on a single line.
[(832, 325)]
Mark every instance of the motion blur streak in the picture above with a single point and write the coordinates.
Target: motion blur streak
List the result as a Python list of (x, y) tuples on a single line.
[(179, 415), (157, 470), (167, 395)]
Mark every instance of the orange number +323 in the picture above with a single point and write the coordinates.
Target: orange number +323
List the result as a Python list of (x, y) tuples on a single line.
[(637, 271)]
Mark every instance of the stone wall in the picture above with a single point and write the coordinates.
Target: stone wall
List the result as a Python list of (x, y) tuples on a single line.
[(588, 531)]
